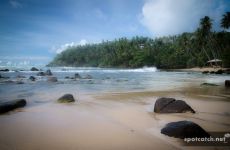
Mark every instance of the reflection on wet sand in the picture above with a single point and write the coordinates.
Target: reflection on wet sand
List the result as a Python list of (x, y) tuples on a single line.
[(110, 120)]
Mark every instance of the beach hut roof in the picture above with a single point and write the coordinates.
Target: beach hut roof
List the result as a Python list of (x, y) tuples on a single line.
[(214, 60)]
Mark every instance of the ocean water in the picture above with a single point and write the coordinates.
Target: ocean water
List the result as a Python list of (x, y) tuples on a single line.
[(103, 80)]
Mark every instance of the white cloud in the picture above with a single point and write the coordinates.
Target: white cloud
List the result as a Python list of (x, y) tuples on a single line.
[(169, 17), (67, 45), (15, 4)]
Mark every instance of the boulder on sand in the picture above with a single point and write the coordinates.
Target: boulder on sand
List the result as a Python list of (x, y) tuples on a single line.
[(184, 129), (171, 105), (67, 98), (52, 79), (34, 69), (227, 83), (11, 105)]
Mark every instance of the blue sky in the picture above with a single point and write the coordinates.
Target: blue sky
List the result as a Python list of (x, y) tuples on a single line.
[(36, 30)]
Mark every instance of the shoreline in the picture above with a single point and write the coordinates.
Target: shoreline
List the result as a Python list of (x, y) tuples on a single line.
[(197, 69)]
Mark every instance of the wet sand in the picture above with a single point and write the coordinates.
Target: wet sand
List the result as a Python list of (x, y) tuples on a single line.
[(110, 121)]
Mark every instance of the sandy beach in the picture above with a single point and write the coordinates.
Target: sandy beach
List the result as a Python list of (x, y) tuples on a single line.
[(109, 121)]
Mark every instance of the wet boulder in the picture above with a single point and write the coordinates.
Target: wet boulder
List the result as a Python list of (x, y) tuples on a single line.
[(32, 78), (171, 105), (184, 129), (52, 79), (67, 98), (11, 105), (34, 69), (48, 72), (227, 83)]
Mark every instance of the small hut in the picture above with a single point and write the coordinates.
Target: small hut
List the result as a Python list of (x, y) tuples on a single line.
[(215, 62)]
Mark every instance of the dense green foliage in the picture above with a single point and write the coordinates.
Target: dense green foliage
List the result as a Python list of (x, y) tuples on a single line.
[(180, 51)]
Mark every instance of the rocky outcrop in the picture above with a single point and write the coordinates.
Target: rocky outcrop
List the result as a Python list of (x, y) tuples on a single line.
[(184, 129), (67, 98), (171, 105), (11, 105), (34, 69)]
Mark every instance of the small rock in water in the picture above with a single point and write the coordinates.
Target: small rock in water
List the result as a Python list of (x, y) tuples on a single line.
[(5, 70), (209, 84), (11, 105), (34, 69), (184, 129), (227, 83), (48, 72), (77, 76), (67, 98), (171, 105), (41, 74), (32, 78), (67, 77), (52, 79), (20, 76)]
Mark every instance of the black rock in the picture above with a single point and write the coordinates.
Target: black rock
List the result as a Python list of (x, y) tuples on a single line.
[(227, 83), (184, 129), (5, 70), (34, 69), (77, 76), (11, 105), (171, 105), (48, 72), (41, 74), (220, 71), (32, 78), (67, 98), (67, 77), (20, 76), (212, 72)]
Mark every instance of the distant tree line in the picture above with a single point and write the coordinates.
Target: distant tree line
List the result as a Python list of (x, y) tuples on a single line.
[(181, 51)]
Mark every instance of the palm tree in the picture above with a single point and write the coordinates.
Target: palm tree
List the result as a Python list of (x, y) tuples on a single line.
[(225, 21), (205, 26)]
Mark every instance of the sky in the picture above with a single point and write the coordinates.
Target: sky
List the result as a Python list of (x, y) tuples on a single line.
[(37, 30)]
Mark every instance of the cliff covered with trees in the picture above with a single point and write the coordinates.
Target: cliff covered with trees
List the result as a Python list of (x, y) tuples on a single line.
[(181, 51)]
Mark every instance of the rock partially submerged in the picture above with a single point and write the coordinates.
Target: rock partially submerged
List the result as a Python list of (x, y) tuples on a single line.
[(67, 98), (88, 77), (32, 78), (184, 129), (34, 69), (41, 73), (209, 84), (171, 105), (77, 76), (4, 70), (11, 105)]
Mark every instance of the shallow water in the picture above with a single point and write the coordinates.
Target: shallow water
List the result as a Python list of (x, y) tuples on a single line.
[(114, 109)]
